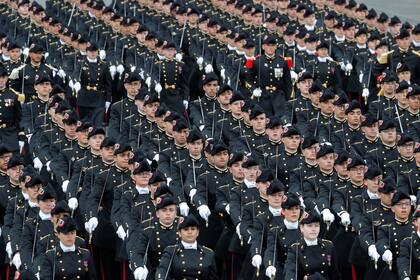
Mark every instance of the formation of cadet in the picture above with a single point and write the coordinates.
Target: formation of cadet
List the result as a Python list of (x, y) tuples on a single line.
[(208, 139)]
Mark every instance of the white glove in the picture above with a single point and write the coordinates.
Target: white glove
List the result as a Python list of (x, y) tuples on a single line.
[(302, 203), (345, 219), (201, 127), (38, 164), (184, 209), (73, 204), (361, 78), (387, 256), (168, 180), (327, 216), (349, 67), (238, 231), (91, 224), (102, 54), (148, 81), (227, 208), (16, 260), (192, 193), (48, 166), (156, 157), (9, 249), (293, 75), (71, 84), (29, 136), (142, 74), (365, 92), (64, 185), (107, 104), (77, 87), (223, 73), (185, 104), (270, 272), (412, 197), (25, 52), (256, 261), (112, 70), (141, 273), (61, 73), (21, 144), (54, 73), (178, 57), (158, 88), (47, 54), (133, 68), (200, 61), (373, 253), (121, 233), (208, 69), (120, 69), (204, 212), (342, 66), (14, 74), (256, 92)]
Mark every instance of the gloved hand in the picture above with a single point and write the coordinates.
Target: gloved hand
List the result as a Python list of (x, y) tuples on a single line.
[(256, 93), (178, 57), (73, 204), (201, 127), (327, 216), (293, 75), (61, 73), (141, 74), (342, 66), (38, 164), (107, 104), (365, 93), (141, 273), (373, 253), (21, 144), (256, 261), (91, 225), (192, 193), (16, 261), (148, 81), (208, 69), (387, 256), (158, 88), (413, 199), (200, 61), (185, 102), (102, 54), (204, 212), (238, 231), (25, 52), (48, 166), (184, 209), (270, 272), (14, 74), (71, 84), (121, 233), (120, 69), (223, 73), (112, 70), (9, 250), (77, 87), (156, 157), (168, 180), (345, 218), (132, 69), (227, 209), (64, 185), (349, 67), (47, 54)]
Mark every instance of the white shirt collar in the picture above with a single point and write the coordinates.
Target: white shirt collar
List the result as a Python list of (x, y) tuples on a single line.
[(340, 39), (231, 48), (290, 44), (5, 57), (418, 233), (322, 59), (416, 44), (142, 190), (311, 242), (249, 57), (372, 195), (161, 57), (372, 51), (311, 27), (249, 184), (92, 60), (275, 211), (189, 246), (25, 196), (300, 48), (44, 216), (32, 204), (291, 225), (67, 248), (83, 53), (361, 46), (310, 52), (239, 52)]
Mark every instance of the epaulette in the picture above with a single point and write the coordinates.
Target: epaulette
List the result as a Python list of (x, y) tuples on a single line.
[(326, 241), (416, 53), (383, 59), (127, 191)]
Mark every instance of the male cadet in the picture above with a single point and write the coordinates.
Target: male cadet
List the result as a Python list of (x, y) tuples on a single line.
[(125, 107), (92, 87), (10, 109), (384, 106), (411, 115)]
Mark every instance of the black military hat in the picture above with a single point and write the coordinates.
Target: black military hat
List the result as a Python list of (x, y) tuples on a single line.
[(373, 37), (141, 167), (301, 34), (404, 138), (250, 162), (66, 224), (290, 130), (324, 149), (132, 77), (416, 213), (348, 24), (237, 96), (142, 93), (43, 78), (342, 99), (256, 111), (210, 77), (398, 196), (308, 12), (61, 207), (15, 160), (371, 14), (276, 186), (312, 38), (304, 76), (271, 19), (266, 175), (35, 48), (387, 124), (194, 135), (273, 122), (290, 30), (165, 200), (310, 217), (189, 221), (249, 45), (387, 185), (339, 2), (150, 98), (92, 131), (416, 29), (157, 177), (316, 87), (218, 147), (326, 95), (57, 89), (92, 47), (120, 148), (383, 18), (309, 142), (289, 200), (352, 4), (354, 161), (136, 157), (361, 31), (342, 156), (161, 111), (382, 43), (82, 126), (163, 189), (352, 106), (394, 21), (223, 89), (107, 142), (403, 34), (180, 124), (3, 71), (70, 118), (12, 45), (173, 116), (369, 119), (402, 67), (330, 15), (169, 45), (403, 85), (4, 149), (323, 45), (32, 180), (235, 157), (372, 172), (413, 91), (23, 2), (47, 192)]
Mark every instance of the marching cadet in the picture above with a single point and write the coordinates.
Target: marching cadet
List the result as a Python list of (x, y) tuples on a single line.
[(311, 109), (147, 243), (14, 51), (68, 259), (10, 188), (411, 115), (405, 163), (300, 102), (390, 235), (274, 131), (131, 125), (351, 128), (125, 107), (312, 256), (384, 106), (367, 143), (187, 259)]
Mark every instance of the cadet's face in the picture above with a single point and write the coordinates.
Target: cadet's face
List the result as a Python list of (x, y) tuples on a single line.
[(292, 142), (46, 206), (237, 170), (107, 153), (195, 147), (305, 85), (68, 239), (142, 179), (211, 88), (236, 107), (92, 54), (121, 160), (373, 184), (95, 142), (406, 150), (354, 117), (70, 130), (326, 162), (150, 109), (180, 137), (220, 159), (14, 173), (275, 200), (262, 187), (402, 209), (132, 88), (414, 102), (386, 198), (36, 56), (292, 214), (274, 134), (404, 43), (188, 234), (310, 153), (14, 54), (167, 215), (357, 173), (82, 137), (389, 88), (269, 49), (327, 107), (388, 136), (259, 122), (43, 89), (361, 39), (314, 96), (323, 52), (402, 97), (225, 97), (404, 76), (3, 81), (342, 169), (252, 173), (310, 231), (371, 131)]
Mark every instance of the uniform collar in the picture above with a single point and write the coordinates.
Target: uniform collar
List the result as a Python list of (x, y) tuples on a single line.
[(398, 222), (142, 190), (291, 225), (372, 195), (44, 216), (67, 249), (311, 242), (189, 246), (249, 184)]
